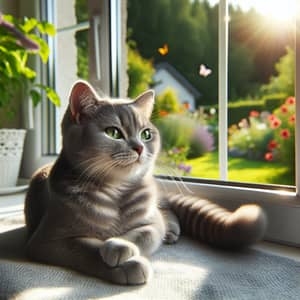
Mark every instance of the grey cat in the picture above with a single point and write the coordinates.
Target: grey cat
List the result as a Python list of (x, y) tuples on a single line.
[(98, 209)]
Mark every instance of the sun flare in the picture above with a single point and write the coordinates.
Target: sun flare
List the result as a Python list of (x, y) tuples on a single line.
[(281, 10), (277, 10)]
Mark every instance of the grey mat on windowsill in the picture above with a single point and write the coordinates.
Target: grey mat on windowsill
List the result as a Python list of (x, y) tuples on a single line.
[(187, 270)]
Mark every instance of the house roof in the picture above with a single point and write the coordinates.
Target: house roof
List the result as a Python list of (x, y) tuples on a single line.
[(179, 77)]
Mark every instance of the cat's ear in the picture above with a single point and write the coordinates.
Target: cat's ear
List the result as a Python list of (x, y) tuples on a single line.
[(144, 103), (83, 99)]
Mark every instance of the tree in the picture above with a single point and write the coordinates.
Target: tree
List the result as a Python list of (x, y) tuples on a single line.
[(284, 81), (167, 102), (140, 72), (190, 29)]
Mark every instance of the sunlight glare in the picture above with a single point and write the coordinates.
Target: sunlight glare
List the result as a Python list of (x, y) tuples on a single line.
[(281, 11)]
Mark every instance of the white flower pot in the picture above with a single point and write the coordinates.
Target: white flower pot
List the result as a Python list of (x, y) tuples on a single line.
[(11, 149)]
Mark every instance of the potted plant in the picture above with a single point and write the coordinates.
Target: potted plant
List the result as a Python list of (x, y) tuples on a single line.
[(20, 40)]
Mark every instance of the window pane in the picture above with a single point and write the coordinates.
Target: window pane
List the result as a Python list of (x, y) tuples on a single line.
[(261, 112), (173, 49), (72, 46)]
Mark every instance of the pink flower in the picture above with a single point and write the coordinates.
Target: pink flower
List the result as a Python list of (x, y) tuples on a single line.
[(290, 101), (271, 118), (285, 133), (272, 145), (284, 109), (292, 119), (275, 123), (269, 156), (254, 114)]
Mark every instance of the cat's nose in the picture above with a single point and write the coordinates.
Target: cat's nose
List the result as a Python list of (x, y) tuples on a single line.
[(138, 149)]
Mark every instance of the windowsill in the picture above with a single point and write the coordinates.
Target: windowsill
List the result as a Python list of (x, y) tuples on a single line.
[(280, 250), (13, 204)]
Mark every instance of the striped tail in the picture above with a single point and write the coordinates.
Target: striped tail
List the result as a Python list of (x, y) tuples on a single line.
[(217, 226)]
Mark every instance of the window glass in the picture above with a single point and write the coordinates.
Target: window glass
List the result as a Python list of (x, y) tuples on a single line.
[(71, 46), (173, 48), (174, 45), (261, 113)]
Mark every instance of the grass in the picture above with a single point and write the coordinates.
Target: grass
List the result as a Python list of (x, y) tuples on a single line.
[(242, 170)]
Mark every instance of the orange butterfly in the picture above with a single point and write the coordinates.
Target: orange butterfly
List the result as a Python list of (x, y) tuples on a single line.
[(163, 50)]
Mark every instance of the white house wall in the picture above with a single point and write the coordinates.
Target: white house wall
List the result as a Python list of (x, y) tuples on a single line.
[(168, 81)]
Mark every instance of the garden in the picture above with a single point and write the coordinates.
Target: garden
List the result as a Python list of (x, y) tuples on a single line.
[(260, 145), (261, 107)]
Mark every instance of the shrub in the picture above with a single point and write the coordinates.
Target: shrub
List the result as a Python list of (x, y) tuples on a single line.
[(240, 109), (282, 122), (250, 138), (140, 72), (166, 103), (284, 80), (201, 141), (175, 131), (183, 137), (273, 101)]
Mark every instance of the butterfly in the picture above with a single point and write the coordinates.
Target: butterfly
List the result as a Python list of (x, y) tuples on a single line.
[(163, 50), (204, 71)]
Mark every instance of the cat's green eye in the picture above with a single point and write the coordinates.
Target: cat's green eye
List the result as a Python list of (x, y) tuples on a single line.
[(146, 135), (114, 133)]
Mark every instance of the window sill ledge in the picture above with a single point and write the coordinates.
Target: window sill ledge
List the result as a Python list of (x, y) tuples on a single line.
[(12, 205)]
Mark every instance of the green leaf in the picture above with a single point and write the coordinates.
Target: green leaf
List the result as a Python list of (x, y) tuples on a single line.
[(44, 49), (53, 97), (51, 94), (29, 73), (29, 25), (36, 97), (46, 28), (8, 18)]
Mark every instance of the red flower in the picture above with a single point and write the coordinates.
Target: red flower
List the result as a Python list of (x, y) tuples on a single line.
[(285, 133), (254, 114), (284, 109), (163, 113), (269, 156), (272, 145), (271, 118), (290, 101), (292, 119), (275, 123)]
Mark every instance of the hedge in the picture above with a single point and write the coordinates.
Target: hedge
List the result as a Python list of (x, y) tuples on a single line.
[(241, 109)]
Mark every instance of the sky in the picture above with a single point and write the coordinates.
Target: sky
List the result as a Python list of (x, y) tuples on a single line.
[(279, 9)]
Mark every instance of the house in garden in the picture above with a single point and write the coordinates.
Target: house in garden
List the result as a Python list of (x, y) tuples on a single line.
[(166, 76)]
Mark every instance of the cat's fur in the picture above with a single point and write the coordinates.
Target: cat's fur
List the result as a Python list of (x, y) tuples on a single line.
[(98, 209)]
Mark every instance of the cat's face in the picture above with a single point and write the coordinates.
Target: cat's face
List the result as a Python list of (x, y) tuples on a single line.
[(113, 140)]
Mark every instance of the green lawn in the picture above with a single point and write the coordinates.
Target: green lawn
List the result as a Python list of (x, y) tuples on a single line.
[(242, 170)]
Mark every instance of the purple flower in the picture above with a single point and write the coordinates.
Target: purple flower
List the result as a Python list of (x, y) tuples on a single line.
[(22, 39), (185, 168), (204, 137)]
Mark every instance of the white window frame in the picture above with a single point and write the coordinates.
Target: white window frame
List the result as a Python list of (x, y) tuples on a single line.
[(282, 206), (41, 142)]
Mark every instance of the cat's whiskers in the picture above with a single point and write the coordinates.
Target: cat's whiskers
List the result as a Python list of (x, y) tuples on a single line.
[(125, 159), (175, 176)]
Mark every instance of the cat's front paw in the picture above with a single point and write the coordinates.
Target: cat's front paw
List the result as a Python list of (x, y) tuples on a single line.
[(134, 271), (115, 251)]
